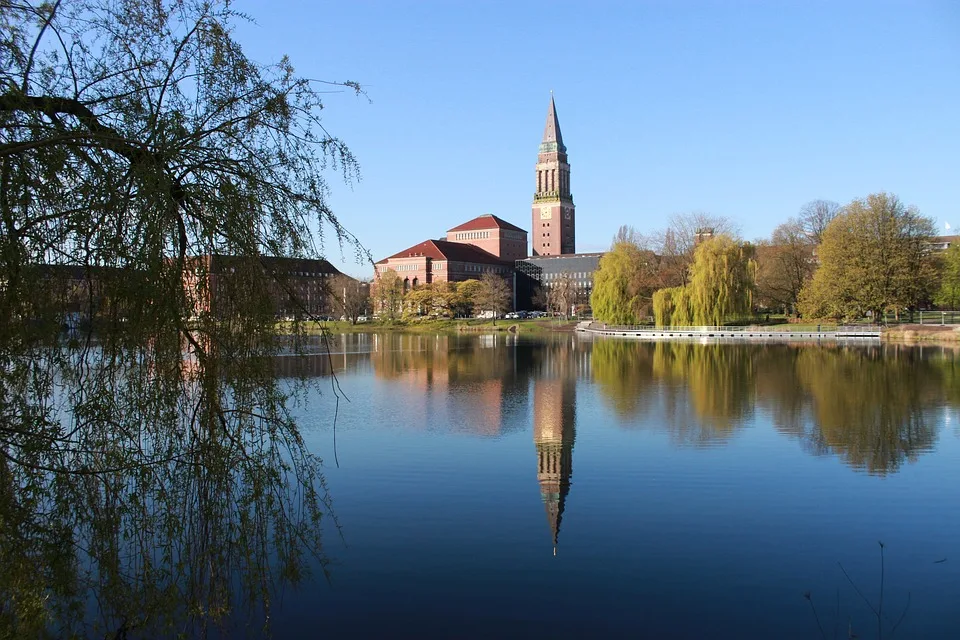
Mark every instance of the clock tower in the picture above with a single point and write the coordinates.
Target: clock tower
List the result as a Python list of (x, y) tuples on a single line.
[(553, 231)]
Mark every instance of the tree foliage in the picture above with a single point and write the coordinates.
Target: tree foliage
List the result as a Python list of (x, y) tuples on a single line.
[(874, 256), (720, 288), (351, 297), (492, 295), (134, 136), (816, 216), (948, 296), (387, 293), (784, 264), (621, 287), (564, 293)]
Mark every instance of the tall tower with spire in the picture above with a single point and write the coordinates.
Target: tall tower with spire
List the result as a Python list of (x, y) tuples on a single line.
[(553, 231)]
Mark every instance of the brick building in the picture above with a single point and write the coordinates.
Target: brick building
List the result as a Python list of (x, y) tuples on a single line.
[(443, 261), (495, 235), (553, 227), (296, 287)]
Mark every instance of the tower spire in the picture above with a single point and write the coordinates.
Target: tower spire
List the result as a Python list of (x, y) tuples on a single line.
[(552, 138), (553, 229)]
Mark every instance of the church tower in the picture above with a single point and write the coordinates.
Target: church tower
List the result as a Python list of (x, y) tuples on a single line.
[(554, 219)]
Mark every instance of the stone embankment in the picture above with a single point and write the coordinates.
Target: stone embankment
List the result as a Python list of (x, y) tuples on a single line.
[(926, 333)]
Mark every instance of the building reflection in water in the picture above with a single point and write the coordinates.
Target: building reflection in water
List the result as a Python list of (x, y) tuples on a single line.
[(554, 428)]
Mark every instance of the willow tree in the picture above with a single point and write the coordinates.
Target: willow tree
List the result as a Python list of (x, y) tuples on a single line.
[(622, 284), (671, 307), (720, 288), (150, 449), (721, 281), (874, 257)]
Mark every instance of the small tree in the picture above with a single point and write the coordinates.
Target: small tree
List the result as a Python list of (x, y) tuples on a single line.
[(387, 291), (444, 299), (350, 296), (493, 294), (419, 300), (467, 294), (784, 265), (562, 294)]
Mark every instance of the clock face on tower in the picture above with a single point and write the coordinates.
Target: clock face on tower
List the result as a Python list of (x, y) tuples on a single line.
[(546, 213), (566, 214)]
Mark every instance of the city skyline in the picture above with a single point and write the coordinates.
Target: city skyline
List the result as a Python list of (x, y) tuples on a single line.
[(742, 110)]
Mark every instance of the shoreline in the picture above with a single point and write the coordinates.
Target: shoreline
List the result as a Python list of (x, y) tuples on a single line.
[(902, 334), (923, 334)]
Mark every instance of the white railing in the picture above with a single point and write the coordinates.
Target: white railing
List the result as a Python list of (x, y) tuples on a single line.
[(821, 328)]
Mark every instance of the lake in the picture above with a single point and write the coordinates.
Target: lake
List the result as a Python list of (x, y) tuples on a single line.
[(501, 486)]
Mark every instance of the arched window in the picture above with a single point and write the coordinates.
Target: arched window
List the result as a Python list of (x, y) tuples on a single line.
[(416, 281), (406, 284)]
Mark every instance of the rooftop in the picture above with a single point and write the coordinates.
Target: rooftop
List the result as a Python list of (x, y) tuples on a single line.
[(444, 250), (486, 221)]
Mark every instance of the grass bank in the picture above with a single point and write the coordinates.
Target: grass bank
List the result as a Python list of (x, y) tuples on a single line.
[(444, 325)]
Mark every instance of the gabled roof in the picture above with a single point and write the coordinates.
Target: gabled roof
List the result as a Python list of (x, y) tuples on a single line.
[(444, 250), (487, 221)]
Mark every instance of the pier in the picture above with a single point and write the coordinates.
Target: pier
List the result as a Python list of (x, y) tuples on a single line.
[(748, 333)]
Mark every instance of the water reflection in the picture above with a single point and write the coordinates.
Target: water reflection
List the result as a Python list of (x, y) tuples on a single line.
[(554, 430), (875, 406)]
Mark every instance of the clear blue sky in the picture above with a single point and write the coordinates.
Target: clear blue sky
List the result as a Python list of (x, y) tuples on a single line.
[(742, 109)]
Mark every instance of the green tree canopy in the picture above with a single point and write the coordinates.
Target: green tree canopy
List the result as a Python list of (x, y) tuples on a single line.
[(720, 288), (493, 294), (873, 257), (948, 295), (621, 289), (468, 292), (387, 292)]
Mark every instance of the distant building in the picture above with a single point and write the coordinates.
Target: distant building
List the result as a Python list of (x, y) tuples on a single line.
[(443, 261), (297, 287), (546, 271), (943, 243), (553, 228), (492, 234)]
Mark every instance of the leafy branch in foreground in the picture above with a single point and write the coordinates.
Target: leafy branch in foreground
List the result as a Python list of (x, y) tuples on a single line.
[(150, 457)]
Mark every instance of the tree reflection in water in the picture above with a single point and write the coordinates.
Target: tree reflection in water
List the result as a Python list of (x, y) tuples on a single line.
[(872, 405), (159, 511)]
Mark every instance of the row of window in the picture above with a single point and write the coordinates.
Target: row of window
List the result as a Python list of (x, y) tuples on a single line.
[(483, 268), (472, 235), (576, 275)]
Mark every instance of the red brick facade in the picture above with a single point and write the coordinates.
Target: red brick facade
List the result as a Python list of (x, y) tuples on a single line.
[(492, 234), (553, 227), (443, 261)]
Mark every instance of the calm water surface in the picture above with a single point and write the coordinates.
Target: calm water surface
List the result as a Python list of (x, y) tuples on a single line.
[(490, 485)]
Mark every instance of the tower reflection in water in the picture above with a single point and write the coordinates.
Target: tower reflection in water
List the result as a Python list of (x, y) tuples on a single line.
[(554, 430)]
